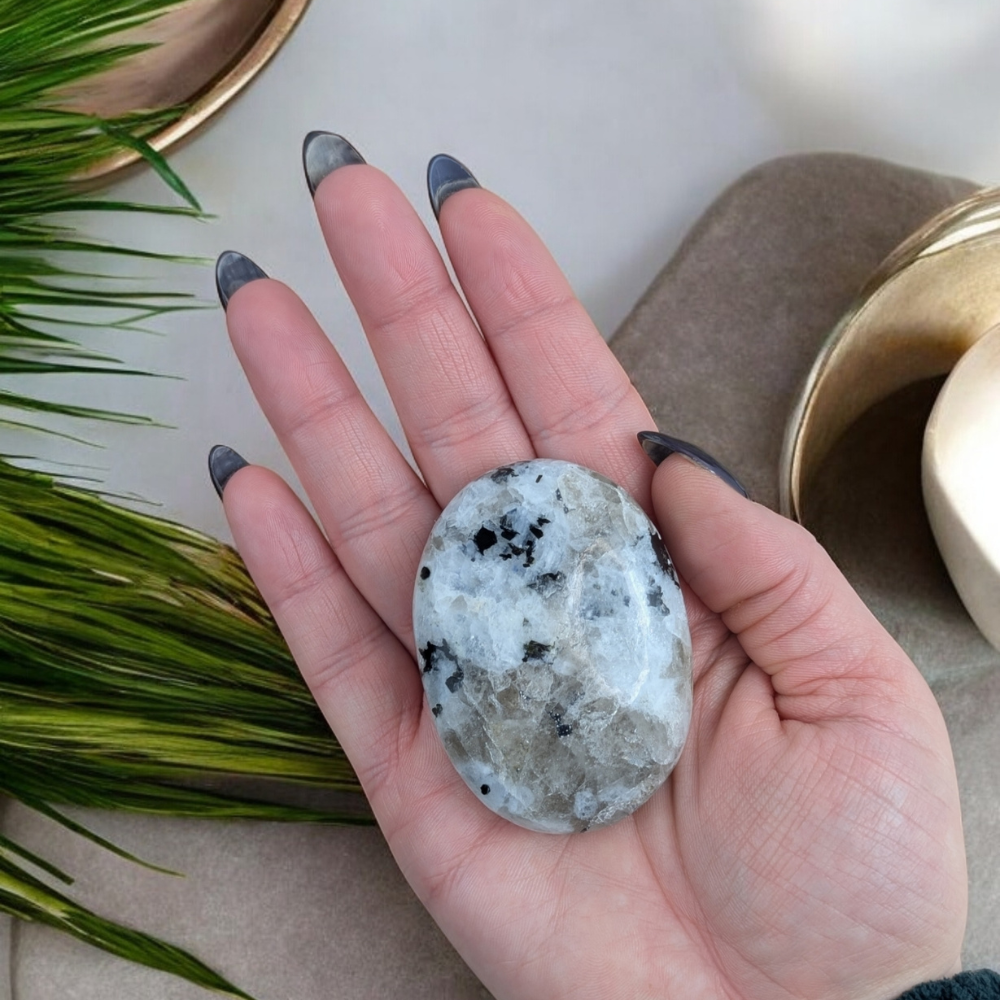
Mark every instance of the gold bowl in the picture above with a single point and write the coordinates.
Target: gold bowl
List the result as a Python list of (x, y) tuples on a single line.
[(930, 302), (207, 51)]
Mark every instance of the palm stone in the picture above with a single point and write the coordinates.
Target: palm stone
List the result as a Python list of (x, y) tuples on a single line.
[(554, 646)]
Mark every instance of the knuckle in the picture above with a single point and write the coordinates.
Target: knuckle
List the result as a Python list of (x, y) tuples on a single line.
[(467, 420), (323, 404), (581, 416), (379, 514), (535, 314)]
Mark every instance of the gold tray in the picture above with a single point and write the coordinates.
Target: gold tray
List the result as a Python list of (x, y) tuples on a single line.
[(207, 52)]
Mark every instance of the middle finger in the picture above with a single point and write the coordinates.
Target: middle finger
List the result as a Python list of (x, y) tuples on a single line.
[(452, 401)]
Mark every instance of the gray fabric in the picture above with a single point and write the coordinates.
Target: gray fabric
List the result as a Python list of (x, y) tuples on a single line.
[(719, 346)]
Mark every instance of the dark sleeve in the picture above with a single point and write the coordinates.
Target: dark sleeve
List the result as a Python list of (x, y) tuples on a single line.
[(982, 985)]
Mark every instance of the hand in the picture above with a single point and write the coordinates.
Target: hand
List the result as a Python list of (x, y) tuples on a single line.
[(809, 842)]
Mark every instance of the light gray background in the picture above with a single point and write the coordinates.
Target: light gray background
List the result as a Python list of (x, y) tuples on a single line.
[(610, 126)]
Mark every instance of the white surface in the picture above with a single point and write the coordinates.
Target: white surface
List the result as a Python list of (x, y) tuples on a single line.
[(609, 126), (912, 79)]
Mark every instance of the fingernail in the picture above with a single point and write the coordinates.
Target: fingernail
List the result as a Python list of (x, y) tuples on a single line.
[(324, 152), (223, 464), (659, 446), (232, 272), (445, 176)]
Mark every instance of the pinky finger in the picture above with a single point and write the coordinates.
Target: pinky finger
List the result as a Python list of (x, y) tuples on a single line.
[(362, 678)]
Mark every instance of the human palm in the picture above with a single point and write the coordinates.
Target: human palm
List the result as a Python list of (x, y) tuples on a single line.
[(808, 843)]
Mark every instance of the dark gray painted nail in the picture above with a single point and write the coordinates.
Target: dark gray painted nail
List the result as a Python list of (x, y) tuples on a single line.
[(232, 272), (445, 176), (223, 464), (660, 446), (324, 152)]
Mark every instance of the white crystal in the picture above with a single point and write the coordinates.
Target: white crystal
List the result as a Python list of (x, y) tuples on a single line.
[(554, 646)]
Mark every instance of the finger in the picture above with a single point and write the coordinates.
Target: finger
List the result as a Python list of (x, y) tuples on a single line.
[(780, 593), (574, 397), (452, 402), (364, 681), (374, 508)]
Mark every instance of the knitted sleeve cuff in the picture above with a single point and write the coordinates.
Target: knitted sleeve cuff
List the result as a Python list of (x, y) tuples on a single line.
[(982, 985)]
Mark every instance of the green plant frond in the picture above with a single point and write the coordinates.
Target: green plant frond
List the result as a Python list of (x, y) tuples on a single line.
[(144, 643), (44, 809), (49, 347), (46, 49), (8, 847), (150, 791), (136, 656), (34, 240), (156, 160), (18, 425), (20, 402), (28, 898)]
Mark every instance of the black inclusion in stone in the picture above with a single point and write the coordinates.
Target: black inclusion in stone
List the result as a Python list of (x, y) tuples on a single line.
[(485, 539), (507, 532), (562, 728), (502, 474), (536, 531), (535, 651), (538, 480), (437, 710), (547, 584), (425, 572), (485, 789), (529, 550), (455, 681), (663, 557), (654, 597), (427, 655)]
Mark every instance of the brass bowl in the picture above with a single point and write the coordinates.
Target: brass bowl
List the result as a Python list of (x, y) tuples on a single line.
[(930, 301), (207, 52)]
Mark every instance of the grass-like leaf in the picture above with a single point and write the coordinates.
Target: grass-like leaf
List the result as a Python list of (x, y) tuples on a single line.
[(136, 657), (31, 899), (46, 48)]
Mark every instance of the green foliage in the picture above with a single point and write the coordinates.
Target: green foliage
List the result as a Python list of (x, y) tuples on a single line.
[(44, 48), (136, 656), (31, 899)]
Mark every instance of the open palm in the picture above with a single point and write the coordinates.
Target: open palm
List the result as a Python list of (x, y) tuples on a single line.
[(808, 844)]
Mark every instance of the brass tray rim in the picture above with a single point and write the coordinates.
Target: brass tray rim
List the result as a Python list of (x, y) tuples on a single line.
[(215, 97), (975, 220)]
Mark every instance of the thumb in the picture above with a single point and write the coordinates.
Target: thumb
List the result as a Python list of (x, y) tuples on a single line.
[(780, 593)]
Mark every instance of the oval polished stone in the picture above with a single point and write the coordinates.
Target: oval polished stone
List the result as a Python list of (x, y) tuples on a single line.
[(554, 646)]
